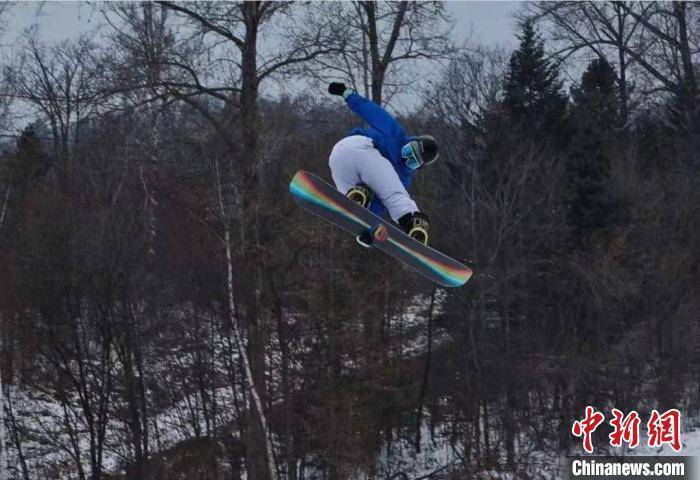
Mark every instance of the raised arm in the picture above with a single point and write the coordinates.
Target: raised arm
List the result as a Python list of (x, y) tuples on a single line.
[(369, 111)]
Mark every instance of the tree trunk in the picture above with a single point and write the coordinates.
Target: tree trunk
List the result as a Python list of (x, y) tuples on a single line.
[(622, 82), (689, 84), (376, 62)]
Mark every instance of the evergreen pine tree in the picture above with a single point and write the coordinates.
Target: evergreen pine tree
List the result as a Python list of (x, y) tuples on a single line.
[(597, 94), (29, 161), (532, 90), (593, 120)]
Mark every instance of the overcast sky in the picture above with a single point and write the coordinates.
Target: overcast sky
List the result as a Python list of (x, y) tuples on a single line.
[(487, 23)]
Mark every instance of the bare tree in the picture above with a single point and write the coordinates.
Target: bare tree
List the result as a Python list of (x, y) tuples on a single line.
[(60, 84), (231, 36), (605, 28), (83, 385), (653, 36), (219, 74), (379, 45), (672, 44), (238, 337)]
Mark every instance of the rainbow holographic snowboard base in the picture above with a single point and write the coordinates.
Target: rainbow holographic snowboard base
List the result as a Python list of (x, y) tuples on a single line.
[(322, 199)]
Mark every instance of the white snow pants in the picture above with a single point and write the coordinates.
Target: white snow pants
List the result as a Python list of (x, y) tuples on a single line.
[(354, 160)]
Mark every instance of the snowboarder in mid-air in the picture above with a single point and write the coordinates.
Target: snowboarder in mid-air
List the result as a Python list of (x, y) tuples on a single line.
[(374, 165), (371, 168)]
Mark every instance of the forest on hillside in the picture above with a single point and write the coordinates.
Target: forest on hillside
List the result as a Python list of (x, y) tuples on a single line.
[(168, 312)]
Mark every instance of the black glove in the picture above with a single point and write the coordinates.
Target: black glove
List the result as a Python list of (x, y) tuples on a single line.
[(336, 88)]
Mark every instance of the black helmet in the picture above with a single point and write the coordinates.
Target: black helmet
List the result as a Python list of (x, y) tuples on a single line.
[(420, 151), (429, 149)]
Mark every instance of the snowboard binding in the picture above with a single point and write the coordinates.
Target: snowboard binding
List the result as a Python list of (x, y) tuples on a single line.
[(360, 194), (378, 233), (416, 225)]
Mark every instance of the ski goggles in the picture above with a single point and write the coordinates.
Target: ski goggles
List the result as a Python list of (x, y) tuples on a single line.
[(411, 154)]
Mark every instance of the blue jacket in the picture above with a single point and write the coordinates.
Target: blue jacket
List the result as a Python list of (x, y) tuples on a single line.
[(386, 134)]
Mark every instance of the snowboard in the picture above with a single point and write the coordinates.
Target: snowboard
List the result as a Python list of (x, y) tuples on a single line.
[(322, 199)]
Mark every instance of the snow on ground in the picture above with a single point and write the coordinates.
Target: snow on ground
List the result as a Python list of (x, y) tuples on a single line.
[(46, 446), (411, 326), (44, 419), (438, 456), (691, 446)]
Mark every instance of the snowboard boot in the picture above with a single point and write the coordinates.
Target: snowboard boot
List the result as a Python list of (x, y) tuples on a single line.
[(416, 225), (360, 194)]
